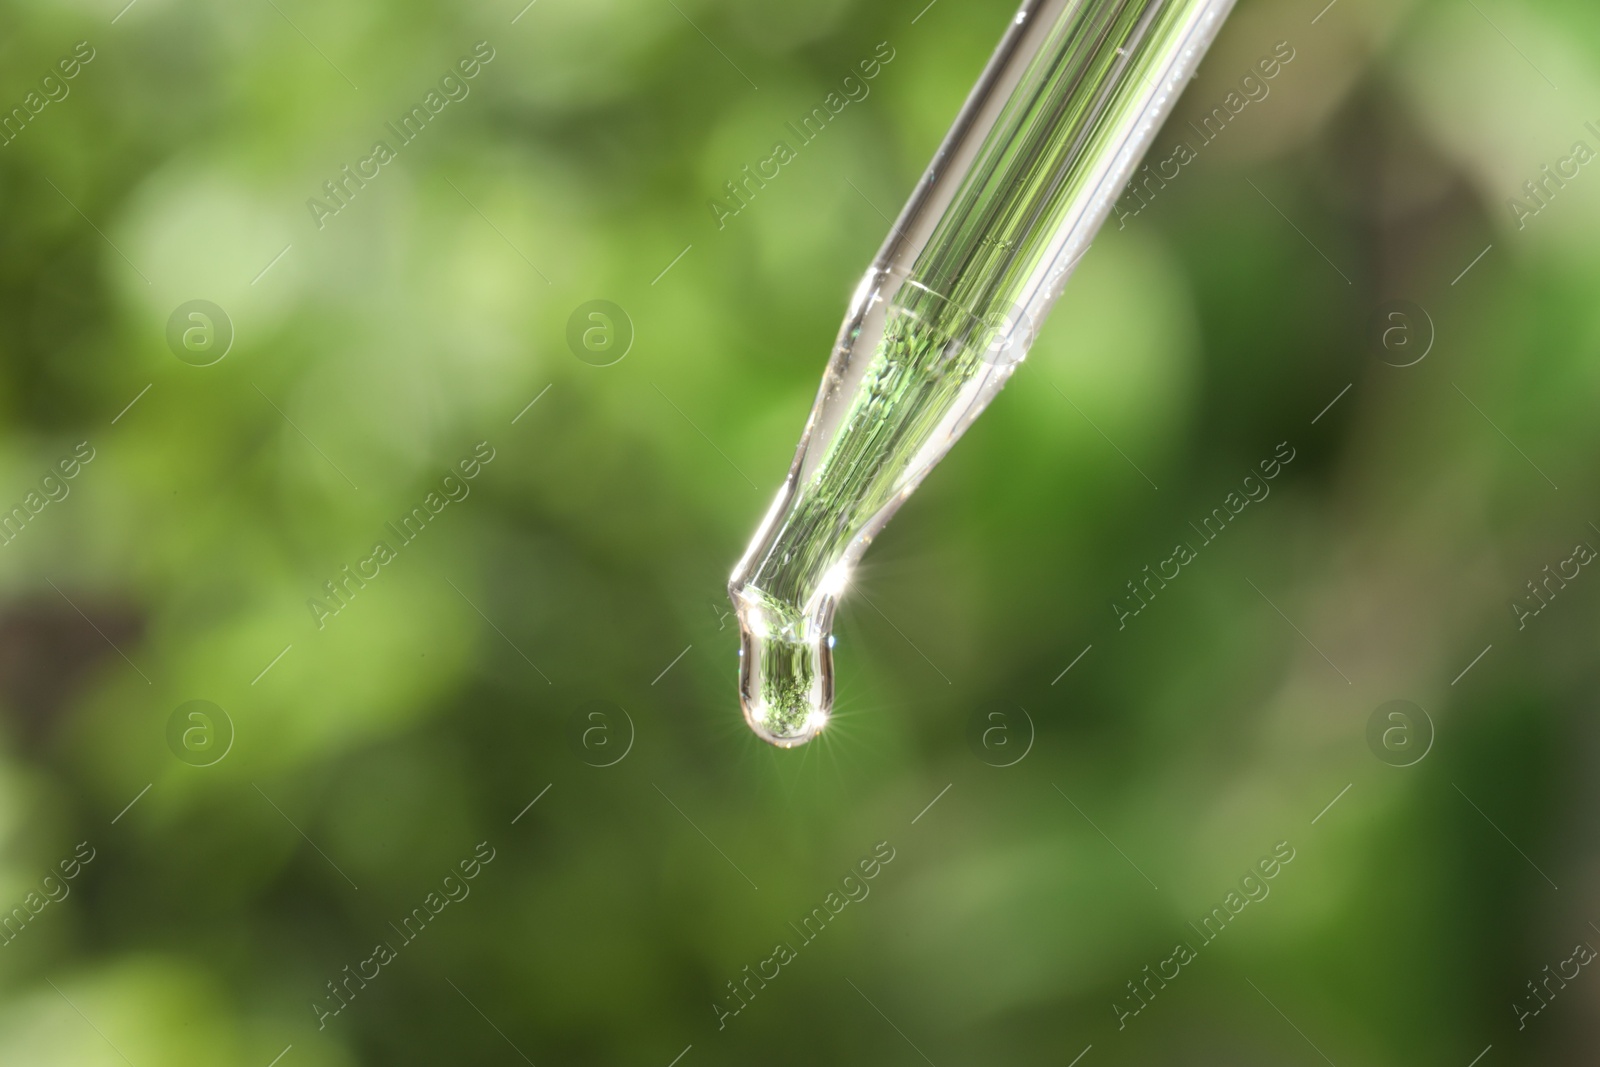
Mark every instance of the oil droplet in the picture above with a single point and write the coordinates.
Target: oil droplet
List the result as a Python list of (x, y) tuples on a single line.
[(785, 668)]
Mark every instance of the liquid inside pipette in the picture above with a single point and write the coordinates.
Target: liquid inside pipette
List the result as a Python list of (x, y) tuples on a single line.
[(919, 387), (1051, 133)]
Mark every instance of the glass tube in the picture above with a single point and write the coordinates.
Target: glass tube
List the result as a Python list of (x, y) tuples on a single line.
[(1052, 131)]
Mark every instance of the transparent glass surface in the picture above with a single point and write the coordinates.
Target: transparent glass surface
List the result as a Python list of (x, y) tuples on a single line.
[(1064, 112)]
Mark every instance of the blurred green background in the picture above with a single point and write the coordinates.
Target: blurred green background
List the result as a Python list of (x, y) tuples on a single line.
[(368, 757)]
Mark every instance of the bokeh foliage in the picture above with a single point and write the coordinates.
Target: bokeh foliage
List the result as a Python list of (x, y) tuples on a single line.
[(425, 715)]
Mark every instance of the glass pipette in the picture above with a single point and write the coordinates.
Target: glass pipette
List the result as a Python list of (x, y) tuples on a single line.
[(1049, 136)]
